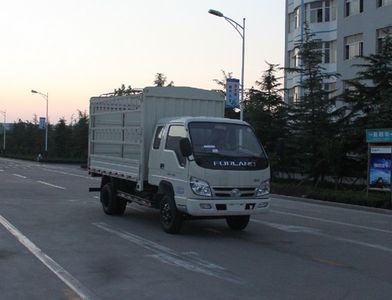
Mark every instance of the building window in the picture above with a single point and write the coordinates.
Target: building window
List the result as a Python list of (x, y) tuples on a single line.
[(353, 7), (321, 11), (330, 89), (381, 35), (383, 2), (296, 18), (293, 96), (294, 58), (328, 51), (353, 46), (316, 12), (291, 22)]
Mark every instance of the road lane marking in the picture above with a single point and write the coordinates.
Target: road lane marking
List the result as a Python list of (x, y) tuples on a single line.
[(52, 185), (330, 221), (189, 261), (58, 270), (1, 170), (70, 174), (317, 232), (20, 176), (289, 228)]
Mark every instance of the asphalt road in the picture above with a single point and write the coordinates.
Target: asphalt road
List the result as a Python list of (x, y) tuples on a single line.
[(56, 243)]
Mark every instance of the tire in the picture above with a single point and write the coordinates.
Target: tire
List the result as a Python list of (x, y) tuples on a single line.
[(171, 219), (237, 222), (111, 204)]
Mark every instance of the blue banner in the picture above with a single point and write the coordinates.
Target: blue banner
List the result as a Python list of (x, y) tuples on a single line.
[(380, 168), (232, 93), (42, 123)]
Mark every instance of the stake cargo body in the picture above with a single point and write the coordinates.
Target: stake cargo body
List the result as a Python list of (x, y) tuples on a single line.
[(121, 127)]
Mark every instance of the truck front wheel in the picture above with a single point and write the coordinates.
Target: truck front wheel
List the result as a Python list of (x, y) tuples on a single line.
[(237, 222), (111, 204), (171, 218)]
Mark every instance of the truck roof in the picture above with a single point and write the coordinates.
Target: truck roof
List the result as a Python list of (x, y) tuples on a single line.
[(188, 119)]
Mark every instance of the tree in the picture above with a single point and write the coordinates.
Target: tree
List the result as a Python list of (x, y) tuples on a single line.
[(122, 91), (266, 111), (222, 82), (368, 98), (161, 79), (369, 95), (80, 136), (61, 139), (313, 120)]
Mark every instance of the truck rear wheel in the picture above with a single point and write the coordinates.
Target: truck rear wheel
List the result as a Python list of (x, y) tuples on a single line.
[(171, 218), (111, 204), (237, 222)]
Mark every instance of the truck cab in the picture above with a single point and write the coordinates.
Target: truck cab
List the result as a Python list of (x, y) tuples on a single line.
[(210, 167)]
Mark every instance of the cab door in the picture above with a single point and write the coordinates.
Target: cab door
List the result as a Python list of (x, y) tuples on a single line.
[(173, 165)]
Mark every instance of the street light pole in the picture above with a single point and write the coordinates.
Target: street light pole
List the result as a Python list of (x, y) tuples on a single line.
[(46, 97), (237, 27), (5, 120)]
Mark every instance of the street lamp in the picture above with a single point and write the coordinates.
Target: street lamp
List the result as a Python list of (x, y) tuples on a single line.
[(5, 119), (46, 97), (237, 27)]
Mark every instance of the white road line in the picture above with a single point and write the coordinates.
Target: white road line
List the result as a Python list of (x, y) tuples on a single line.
[(330, 221), (70, 174), (58, 270), (314, 231), (189, 261), (52, 185), (20, 176), (1, 170)]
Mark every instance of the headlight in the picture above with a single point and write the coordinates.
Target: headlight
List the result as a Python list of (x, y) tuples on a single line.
[(263, 189), (200, 187)]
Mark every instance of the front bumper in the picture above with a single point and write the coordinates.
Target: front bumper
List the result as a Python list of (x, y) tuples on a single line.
[(224, 207)]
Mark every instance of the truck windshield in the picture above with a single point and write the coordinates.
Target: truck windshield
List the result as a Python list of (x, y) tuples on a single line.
[(224, 139)]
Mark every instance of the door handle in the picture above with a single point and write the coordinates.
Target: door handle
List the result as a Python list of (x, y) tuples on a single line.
[(162, 166)]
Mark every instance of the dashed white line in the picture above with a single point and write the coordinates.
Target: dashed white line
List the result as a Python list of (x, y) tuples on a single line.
[(314, 231), (58, 270), (189, 261), (330, 221), (71, 174), (20, 176), (52, 185)]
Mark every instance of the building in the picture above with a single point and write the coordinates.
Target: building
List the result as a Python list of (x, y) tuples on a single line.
[(347, 30)]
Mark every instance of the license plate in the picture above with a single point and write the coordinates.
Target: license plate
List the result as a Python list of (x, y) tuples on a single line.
[(235, 206)]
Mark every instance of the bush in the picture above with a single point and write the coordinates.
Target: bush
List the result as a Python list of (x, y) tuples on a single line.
[(349, 194)]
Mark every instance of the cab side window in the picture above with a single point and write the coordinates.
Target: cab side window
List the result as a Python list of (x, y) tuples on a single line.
[(175, 134), (158, 137)]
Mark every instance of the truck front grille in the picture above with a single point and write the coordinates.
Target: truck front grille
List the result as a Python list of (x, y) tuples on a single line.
[(231, 192)]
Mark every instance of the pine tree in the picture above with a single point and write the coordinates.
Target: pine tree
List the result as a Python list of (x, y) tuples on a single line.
[(266, 111), (312, 119)]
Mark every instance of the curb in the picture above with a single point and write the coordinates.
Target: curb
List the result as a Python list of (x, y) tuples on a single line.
[(334, 204)]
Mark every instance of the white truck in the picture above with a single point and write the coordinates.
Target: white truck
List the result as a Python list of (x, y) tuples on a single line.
[(170, 148)]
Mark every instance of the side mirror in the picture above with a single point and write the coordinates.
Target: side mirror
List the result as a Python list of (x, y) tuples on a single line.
[(185, 147)]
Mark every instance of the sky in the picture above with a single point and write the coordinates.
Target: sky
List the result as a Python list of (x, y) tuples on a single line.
[(77, 49)]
